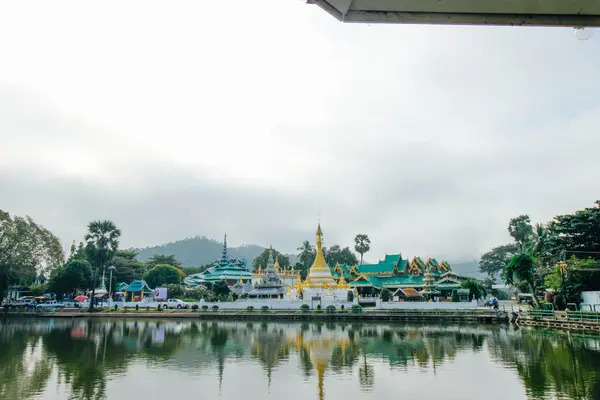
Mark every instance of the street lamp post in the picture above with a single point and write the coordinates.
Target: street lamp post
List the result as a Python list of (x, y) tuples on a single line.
[(111, 269), (103, 282)]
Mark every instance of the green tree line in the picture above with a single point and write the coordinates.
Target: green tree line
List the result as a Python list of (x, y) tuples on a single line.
[(562, 254)]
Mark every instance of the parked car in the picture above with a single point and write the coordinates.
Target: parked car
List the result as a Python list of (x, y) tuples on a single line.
[(176, 303), (50, 304), (21, 303)]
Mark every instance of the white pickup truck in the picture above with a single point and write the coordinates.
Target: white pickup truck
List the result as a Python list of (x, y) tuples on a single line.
[(50, 304), (175, 303)]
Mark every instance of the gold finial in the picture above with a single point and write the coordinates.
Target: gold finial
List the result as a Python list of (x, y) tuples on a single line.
[(342, 283), (276, 265)]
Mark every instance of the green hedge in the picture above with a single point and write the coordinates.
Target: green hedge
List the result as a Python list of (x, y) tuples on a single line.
[(356, 309)]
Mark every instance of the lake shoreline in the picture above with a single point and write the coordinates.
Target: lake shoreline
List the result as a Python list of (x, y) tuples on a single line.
[(474, 316)]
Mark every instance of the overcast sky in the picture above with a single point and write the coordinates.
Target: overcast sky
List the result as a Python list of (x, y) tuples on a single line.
[(177, 119)]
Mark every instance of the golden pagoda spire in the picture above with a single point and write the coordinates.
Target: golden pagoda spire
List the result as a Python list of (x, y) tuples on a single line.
[(298, 283), (276, 266), (319, 276), (319, 262)]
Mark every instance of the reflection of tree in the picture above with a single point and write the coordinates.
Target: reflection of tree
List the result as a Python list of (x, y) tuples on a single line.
[(15, 380), (84, 354), (345, 354), (84, 364), (366, 375), (548, 363)]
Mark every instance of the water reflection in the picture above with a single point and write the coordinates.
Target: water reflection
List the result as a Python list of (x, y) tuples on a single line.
[(82, 358)]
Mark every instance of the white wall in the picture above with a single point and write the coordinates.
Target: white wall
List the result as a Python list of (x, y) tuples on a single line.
[(293, 304), (414, 305), (590, 298), (281, 304)]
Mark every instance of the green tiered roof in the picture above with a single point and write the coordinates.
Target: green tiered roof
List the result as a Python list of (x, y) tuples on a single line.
[(138, 286), (225, 268), (395, 272)]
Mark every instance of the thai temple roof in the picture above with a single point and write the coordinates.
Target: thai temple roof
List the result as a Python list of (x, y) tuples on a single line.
[(137, 286), (225, 268), (393, 272), (270, 283)]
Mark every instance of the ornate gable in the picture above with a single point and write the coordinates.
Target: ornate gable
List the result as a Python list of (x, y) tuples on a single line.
[(416, 267), (432, 264), (445, 267), (338, 268)]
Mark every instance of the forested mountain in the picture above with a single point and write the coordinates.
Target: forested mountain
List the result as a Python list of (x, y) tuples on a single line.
[(201, 250)]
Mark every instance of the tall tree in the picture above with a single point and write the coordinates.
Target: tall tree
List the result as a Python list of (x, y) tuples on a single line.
[(362, 245), (26, 250), (337, 255), (520, 229), (572, 277), (306, 257), (263, 259), (539, 241), (521, 268), (102, 243), (494, 261), (128, 267), (162, 274), (158, 259), (75, 274), (220, 288), (578, 234)]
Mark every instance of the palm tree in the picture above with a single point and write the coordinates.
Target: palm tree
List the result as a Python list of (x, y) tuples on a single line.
[(362, 245), (306, 256), (102, 243), (520, 229), (521, 268)]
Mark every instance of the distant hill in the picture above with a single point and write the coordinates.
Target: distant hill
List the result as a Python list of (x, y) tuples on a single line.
[(201, 250), (467, 268)]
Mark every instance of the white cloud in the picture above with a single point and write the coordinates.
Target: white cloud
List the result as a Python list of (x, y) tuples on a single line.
[(249, 117)]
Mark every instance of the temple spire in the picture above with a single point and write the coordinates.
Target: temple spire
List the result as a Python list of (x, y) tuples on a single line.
[(320, 258), (224, 254), (319, 236)]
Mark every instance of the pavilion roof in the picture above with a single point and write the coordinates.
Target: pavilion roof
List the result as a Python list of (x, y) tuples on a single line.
[(408, 292), (138, 286)]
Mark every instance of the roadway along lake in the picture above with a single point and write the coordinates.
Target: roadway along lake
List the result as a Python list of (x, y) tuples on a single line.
[(168, 360)]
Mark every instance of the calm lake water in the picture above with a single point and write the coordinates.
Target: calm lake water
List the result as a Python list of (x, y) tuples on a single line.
[(149, 359)]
